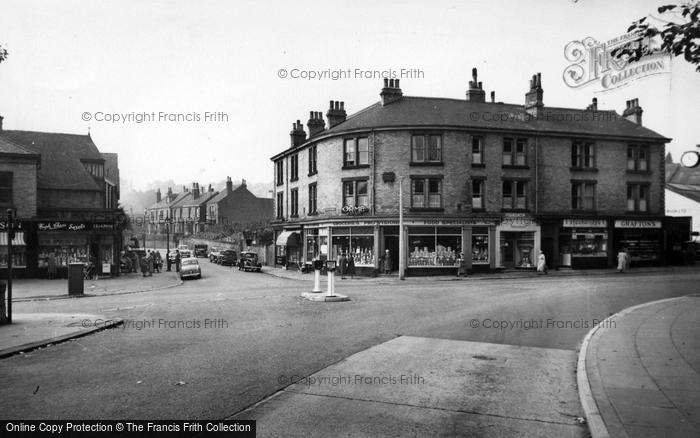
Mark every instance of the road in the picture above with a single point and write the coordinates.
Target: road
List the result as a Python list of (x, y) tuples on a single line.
[(261, 334)]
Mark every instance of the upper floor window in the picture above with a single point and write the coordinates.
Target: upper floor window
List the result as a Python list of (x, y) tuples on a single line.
[(279, 172), (514, 152), (583, 154), (5, 187), (294, 167), (95, 169), (355, 193), (313, 189), (426, 192), (638, 157), (355, 152), (478, 193), (514, 195), (280, 205), (294, 202), (477, 150), (638, 197), (312, 160), (426, 148), (582, 195)]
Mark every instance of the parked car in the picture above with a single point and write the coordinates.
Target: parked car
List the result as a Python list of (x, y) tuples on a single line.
[(228, 258), (200, 250), (214, 253), (184, 251), (189, 268), (249, 262)]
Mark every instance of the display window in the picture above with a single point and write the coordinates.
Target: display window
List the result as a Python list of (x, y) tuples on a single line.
[(589, 243), (355, 242), (641, 245), (312, 244), (434, 246), (517, 248), (480, 246), (65, 247), (19, 257)]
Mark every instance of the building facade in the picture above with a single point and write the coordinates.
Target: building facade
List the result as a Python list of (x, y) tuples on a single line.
[(238, 205), (64, 202), (485, 185)]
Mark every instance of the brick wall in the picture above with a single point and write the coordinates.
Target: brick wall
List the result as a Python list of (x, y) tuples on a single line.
[(24, 195)]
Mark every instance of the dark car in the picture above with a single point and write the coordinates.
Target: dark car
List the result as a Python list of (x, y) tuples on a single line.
[(249, 262), (200, 250), (228, 258)]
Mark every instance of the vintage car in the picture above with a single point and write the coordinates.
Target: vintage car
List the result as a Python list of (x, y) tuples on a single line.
[(200, 250), (249, 262), (214, 253), (184, 251), (189, 268), (228, 258)]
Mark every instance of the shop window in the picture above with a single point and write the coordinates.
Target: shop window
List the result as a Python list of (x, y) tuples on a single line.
[(434, 246), (478, 194), (312, 161), (477, 151), (514, 195), (294, 167), (480, 246), (514, 152), (638, 197), (5, 187), (355, 152), (426, 149), (589, 243), (516, 249), (279, 172), (583, 155), (583, 195), (355, 242), (638, 158), (426, 193), (280, 206), (19, 257), (313, 188), (294, 202), (355, 193)]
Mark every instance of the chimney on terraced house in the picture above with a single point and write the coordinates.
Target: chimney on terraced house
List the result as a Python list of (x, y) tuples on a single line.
[(391, 91), (316, 123), (633, 112), (476, 92), (534, 98), (229, 185), (336, 113), (297, 134), (158, 198), (195, 190)]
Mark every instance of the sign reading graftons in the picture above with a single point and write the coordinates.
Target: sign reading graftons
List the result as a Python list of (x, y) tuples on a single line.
[(630, 223)]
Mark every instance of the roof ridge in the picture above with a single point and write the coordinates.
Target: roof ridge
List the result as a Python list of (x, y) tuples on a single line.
[(17, 145)]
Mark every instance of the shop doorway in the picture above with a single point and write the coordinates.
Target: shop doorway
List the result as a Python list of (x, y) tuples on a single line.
[(507, 253), (392, 244), (517, 249)]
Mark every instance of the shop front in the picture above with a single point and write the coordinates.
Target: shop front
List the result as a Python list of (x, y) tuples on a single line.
[(643, 239), (19, 251), (519, 241), (288, 249), (583, 244)]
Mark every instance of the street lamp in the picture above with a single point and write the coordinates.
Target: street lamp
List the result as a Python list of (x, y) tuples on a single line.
[(402, 246), (167, 241), (10, 236)]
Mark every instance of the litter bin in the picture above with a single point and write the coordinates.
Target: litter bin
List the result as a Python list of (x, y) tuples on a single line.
[(76, 279)]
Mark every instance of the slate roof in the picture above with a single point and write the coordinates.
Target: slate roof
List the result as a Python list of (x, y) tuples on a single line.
[(677, 174), (222, 195), (61, 167), (7, 146), (689, 191), (189, 201), (164, 201)]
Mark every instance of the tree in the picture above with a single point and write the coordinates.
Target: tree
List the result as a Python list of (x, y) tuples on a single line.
[(3, 53), (680, 35)]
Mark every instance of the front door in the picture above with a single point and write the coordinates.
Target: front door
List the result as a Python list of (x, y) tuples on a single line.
[(392, 244), (507, 250)]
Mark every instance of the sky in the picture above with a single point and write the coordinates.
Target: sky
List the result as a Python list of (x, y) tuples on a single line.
[(102, 66)]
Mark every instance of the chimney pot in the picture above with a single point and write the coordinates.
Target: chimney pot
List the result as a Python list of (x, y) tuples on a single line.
[(474, 74), (342, 106), (479, 86), (493, 96), (396, 82), (539, 80), (386, 82)]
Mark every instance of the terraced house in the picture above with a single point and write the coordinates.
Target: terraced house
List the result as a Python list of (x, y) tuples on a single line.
[(483, 183)]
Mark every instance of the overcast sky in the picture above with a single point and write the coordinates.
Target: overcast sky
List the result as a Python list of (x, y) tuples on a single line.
[(68, 58)]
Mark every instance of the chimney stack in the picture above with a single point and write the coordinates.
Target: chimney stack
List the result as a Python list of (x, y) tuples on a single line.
[(158, 198), (475, 93), (336, 113), (195, 190), (633, 112), (229, 185), (493, 97), (211, 189), (533, 98), (170, 194), (391, 91), (243, 182), (316, 123), (297, 135)]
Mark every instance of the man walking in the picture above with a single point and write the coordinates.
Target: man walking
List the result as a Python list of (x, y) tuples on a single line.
[(177, 260)]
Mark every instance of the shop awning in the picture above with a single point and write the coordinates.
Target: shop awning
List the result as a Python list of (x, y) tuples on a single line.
[(288, 238), (17, 241)]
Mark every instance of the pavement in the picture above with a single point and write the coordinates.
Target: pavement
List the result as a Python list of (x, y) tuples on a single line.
[(639, 371)]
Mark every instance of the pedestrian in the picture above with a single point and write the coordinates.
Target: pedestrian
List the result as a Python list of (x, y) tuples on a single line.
[(386, 262), (143, 264), (541, 263), (342, 265), (351, 267), (462, 269), (150, 260), (52, 265), (177, 260), (167, 260), (157, 261), (622, 260)]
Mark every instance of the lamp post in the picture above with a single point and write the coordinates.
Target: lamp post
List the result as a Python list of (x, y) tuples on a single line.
[(167, 241), (10, 236), (402, 246)]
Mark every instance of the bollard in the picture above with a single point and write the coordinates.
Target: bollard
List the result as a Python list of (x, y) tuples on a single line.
[(317, 281), (331, 286)]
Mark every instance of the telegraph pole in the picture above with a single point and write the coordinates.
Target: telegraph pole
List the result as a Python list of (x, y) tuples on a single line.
[(10, 236)]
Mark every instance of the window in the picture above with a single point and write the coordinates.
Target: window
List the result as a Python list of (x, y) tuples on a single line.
[(477, 151), (426, 193), (583, 195), (95, 169), (514, 195), (6, 187), (280, 205), (638, 197), (638, 158), (355, 152), (583, 155), (312, 160), (280, 172), (312, 198), (294, 167), (355, 193), (426, 148), (294, 197), (478, 194), (514, 152)]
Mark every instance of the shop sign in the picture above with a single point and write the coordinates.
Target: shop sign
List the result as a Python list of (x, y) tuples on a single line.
[(517, 220), (584, 223), (74, 226), (354, 210), (103, 227), (632, 223), (4, 226), (412, 222)]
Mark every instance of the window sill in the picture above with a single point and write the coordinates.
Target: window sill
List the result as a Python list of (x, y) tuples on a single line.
[(294, 216), (280, 184), (479, 210), (313, 213), (583, 169), (356, 166), (482, 165), (638, 172), (426, 209), (293, 180), (313, 173), (515, 166), (426, 163), (515, 210)]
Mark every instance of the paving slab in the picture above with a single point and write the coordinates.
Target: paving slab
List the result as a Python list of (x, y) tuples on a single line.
[(413, 386)]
